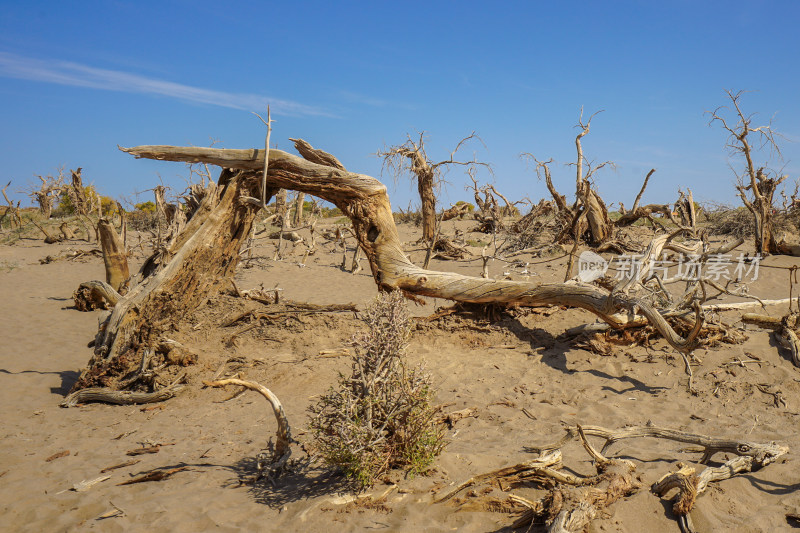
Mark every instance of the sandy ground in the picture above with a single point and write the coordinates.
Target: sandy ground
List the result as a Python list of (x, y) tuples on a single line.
[(524, 379)]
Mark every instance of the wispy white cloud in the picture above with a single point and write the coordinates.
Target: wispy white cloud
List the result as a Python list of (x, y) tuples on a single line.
[(78, 75)]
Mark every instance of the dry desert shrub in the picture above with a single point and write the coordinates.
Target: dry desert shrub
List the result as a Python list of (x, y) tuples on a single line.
[(381, 416)]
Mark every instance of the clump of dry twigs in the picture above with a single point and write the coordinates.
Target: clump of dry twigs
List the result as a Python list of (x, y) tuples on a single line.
[(726, 220), (381, 416)]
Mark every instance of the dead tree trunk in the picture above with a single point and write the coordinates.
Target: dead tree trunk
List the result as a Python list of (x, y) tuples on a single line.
[(114, 256), (411, 157), (297, 219), (591, 215), (365, 201), (281, 207), (425, 188), (77, 193), (199, 262), (47, 193), (10, 210), (587, 219)]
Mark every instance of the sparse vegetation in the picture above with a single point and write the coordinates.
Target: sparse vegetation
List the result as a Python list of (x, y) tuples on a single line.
[(381, 416)]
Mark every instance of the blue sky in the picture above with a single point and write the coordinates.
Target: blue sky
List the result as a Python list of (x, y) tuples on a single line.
[(76, 79)]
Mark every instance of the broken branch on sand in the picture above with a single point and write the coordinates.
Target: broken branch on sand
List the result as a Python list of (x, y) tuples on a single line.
[(573, 500), (282, 450)]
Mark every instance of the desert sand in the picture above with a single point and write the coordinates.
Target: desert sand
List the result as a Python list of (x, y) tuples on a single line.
[(523, 378)]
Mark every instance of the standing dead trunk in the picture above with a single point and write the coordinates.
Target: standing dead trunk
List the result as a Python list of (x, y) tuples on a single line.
[(428, 199), (411, 157), (587, 219), (762, 210), (47, 193), (281, 207), (753, 182), (297, 219), (114, 256), (78, 194), (10, 209)]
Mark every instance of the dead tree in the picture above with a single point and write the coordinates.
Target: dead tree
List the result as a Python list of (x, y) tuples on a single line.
[(756, 184), (490, 214), (590, 219), (574, 500), (11, 209), (282, 207), (365, 201), (77, 193), (115, 257), (47, 193), (411, 157), (684, 207), (588, 216), (297, 217), (637, 211)]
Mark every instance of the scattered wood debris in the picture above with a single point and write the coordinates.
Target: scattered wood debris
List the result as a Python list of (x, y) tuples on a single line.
[(156, 475)]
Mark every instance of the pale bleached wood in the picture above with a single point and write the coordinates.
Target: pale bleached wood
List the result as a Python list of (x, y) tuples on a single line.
[(284, 434), (115, 257)]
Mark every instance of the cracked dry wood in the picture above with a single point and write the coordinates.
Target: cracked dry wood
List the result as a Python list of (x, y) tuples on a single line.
[(115, 257), (365, 201), (106, 395), (196, 263), (96, 294), (575, 500)]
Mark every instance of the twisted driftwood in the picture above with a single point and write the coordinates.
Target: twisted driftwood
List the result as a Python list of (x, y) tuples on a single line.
[(365, 201)]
